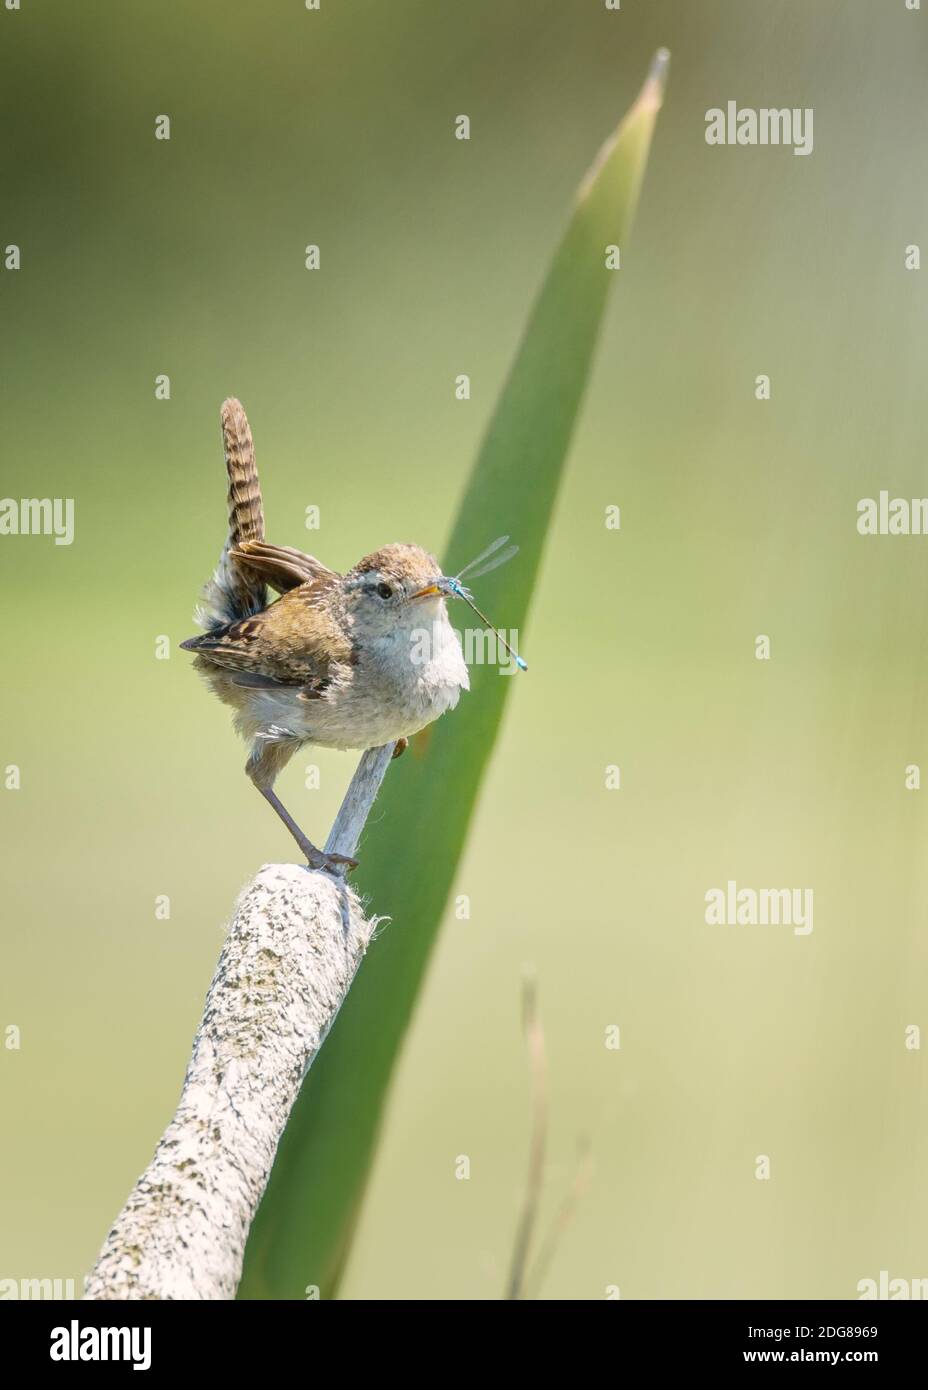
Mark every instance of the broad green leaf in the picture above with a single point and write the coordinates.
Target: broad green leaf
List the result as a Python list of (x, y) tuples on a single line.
[(303, 1230)]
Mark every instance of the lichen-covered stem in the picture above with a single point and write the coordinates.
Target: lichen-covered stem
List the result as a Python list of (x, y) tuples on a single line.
[(295, 942)]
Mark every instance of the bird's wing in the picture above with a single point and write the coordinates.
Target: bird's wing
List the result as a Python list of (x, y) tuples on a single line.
[(282, 566), (295, 642)]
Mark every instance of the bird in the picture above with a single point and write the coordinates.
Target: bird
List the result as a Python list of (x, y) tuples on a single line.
[(348, 661)]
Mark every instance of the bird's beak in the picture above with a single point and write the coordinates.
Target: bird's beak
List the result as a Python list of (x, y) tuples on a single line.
[(428, 591)]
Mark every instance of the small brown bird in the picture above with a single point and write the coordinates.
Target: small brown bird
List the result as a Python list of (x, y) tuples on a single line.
[(343, 661)]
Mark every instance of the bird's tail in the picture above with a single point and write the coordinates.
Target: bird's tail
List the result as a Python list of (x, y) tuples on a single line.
[(236, 591)]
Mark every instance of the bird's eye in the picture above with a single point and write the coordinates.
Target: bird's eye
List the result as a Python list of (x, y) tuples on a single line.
[(384, 591)]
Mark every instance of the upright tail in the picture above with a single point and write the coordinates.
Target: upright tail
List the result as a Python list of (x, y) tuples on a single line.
[(236, 591)]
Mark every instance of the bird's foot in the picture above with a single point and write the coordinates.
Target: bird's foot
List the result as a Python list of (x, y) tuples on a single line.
[(401, 745), (319, 859), (340, 861)]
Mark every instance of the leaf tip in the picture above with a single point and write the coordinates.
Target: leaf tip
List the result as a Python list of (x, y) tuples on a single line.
[(650, 99), (652, 93)]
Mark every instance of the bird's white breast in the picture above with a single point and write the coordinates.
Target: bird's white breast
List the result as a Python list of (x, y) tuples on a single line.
[(400, 683)]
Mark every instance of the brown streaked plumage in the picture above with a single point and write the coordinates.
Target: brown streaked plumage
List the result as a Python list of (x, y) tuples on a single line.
[(246, 517), (336, 659), (281, 566)]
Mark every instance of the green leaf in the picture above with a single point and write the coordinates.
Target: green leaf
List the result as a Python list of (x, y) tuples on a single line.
[(304, 1226)]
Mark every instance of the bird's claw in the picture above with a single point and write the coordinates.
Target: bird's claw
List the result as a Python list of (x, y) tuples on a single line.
[(333, 862)]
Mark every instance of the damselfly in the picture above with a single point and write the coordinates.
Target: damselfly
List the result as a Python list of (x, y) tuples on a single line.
[(487, 560)]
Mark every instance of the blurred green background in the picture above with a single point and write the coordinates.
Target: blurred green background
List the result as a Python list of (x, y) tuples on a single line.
[(142, 257)]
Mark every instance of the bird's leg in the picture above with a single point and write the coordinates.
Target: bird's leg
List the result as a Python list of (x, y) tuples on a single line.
[(401, 745), (315, 857), (267, 759)]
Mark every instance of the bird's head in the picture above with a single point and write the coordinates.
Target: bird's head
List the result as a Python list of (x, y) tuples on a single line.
[(395, 590)]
